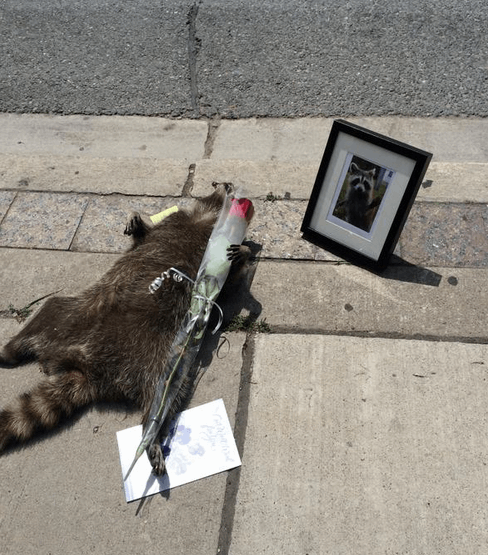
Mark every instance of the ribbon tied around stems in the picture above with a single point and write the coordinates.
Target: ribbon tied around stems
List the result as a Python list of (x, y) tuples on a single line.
[(178, 276)]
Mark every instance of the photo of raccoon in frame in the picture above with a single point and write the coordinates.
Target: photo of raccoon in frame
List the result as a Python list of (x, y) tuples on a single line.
[(363, 189)]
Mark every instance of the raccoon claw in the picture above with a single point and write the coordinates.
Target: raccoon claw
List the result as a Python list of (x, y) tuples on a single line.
[(238, 253), (134, 225), (156, 458), (234, 252)]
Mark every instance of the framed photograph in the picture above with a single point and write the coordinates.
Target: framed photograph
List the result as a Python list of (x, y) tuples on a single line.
[(363, 193)]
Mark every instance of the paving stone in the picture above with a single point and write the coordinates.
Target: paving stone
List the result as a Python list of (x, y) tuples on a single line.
[(403, 301), (28, 274), (276, 228), (102, 228), (42, 220), (442, 234), (257, 179), (254, 139), (455, 182), (54, 172), (102, 136), (364, 446), (448, 139)]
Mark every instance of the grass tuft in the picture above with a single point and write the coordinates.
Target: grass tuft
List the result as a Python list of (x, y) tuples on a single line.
[(248, 324)]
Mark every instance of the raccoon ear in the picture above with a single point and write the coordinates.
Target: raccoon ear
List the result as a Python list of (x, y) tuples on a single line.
[(353, 167), (372, 172)]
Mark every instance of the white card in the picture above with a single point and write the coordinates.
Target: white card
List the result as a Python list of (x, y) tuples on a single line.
[(202, 445)]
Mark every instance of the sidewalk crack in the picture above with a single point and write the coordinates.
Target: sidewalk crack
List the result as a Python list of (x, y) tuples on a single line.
[(4, 217), (240, 427), (88, 202), (188, 186), (213, 127), (193, 48)]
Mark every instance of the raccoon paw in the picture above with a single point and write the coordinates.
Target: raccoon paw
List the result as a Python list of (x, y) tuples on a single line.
[(135, 225), (156, 458), (225, 187), (238, 253)]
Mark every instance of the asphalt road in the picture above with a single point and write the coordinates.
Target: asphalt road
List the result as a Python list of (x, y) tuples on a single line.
[(243, 58)]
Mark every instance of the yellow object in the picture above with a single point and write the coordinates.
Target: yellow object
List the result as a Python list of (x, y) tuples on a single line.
[(164, 214)]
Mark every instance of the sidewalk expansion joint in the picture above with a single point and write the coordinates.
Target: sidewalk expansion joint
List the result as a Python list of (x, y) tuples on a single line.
[(289, 330), (241, 419), (93, 193)]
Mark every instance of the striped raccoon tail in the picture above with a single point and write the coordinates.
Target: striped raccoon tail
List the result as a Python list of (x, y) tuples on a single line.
[(55, 398)]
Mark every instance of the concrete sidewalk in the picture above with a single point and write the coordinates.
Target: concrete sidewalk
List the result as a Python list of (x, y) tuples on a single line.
[(361, 419)]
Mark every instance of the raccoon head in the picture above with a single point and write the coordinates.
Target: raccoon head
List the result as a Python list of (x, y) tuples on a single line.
[(362, 181)]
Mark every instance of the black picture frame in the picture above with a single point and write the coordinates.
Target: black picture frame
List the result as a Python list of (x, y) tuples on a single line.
[(363, 193)]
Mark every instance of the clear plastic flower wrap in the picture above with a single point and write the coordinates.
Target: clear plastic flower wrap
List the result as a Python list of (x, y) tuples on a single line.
[(230, 229)]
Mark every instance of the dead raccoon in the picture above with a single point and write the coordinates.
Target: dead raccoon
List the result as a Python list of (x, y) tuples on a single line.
[(110, 343)]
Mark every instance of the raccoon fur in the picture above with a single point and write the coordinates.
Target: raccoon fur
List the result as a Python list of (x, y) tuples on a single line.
[(359, 197), (110, 343)]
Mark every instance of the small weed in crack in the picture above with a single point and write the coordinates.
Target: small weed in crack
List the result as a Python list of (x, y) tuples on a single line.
[(248, 324), (21, 314)]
